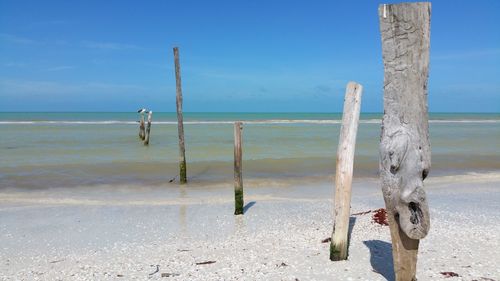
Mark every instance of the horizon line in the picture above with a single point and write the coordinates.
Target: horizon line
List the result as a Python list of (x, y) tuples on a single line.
[(247, 112)]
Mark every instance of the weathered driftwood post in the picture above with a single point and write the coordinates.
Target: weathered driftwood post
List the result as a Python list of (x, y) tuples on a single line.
[(238, 173), (148, 128), (141, 123), (180, 122), (343, 174), (405, 156)]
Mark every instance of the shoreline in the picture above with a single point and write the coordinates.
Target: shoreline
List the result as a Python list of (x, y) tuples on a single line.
[(261, 172), (109, 232), (203, 179)]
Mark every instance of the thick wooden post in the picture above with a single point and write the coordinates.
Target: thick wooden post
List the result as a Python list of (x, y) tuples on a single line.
[(148, 128), (180, 122), (142, 133), (405, 156), (343, 174), (238, 173)]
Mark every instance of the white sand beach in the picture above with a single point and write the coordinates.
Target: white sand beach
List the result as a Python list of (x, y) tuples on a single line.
[(169, 232)]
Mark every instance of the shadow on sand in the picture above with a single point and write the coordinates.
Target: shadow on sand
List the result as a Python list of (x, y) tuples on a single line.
[(352, 222), (248, 206), (381, 258)]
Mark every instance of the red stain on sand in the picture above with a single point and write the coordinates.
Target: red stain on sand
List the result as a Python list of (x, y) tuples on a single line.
[(448, 274), (380, 217)]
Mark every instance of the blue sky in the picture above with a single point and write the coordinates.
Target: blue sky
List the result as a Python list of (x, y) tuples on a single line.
[(247, 56)]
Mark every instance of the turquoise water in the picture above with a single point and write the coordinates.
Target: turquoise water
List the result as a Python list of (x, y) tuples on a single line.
[(41, 150), (223, 116)]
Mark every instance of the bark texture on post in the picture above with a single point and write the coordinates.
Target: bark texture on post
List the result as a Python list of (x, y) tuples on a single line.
[(238, 170), (148, 128), (142, 133), (405, 156), (180, 122), (343, 174)]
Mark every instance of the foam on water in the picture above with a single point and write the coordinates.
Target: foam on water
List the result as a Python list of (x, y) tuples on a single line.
[(292, 121)]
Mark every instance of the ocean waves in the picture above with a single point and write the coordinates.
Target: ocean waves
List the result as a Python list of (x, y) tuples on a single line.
[(250, 122)]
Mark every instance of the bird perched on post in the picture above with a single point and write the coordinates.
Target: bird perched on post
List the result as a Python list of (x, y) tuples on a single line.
[(142, 110)]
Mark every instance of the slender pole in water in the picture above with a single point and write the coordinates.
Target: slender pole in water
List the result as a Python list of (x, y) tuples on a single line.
[(148, 128), (405, 155), (238, 173), (180, 123), (141, 126), (343, 175)]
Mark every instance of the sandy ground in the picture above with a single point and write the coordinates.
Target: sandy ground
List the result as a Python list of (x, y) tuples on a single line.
[(126, 233)]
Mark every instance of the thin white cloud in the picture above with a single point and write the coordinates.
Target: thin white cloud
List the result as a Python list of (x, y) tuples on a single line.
[(50, 22), (109, 45), (22, 87), (60, 42), (12, 87), (490, 87), (60, 67), (16, 39), (111, 87), (226, 75), (15, 64), (469, 54)]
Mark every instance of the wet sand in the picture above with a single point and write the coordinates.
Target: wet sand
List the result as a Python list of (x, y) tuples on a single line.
[(125, 232)]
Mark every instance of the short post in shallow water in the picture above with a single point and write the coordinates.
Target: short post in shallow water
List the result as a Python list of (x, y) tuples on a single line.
[(238, 170), (343, 174), (180, 122), (142, 133), (148, 128), (405, 154)]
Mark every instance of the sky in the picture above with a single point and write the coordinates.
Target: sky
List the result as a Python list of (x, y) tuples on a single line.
[(236, 56)]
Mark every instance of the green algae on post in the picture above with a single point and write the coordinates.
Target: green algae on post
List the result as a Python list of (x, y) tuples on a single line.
[(334, 252), (238, 202), (182, 169)]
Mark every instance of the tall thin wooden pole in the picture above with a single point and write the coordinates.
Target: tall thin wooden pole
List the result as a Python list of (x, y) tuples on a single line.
[(343, 174), (238, 173), (180, 122), (405, 156), (148, 128)]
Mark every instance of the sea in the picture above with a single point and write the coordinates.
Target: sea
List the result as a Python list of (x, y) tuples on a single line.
[(70, 149)]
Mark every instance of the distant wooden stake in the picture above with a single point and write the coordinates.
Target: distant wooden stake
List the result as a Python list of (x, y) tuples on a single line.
[(142, 133), (405, 156), (148, 128), (343, 174), (180, 122), (238, 173)]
